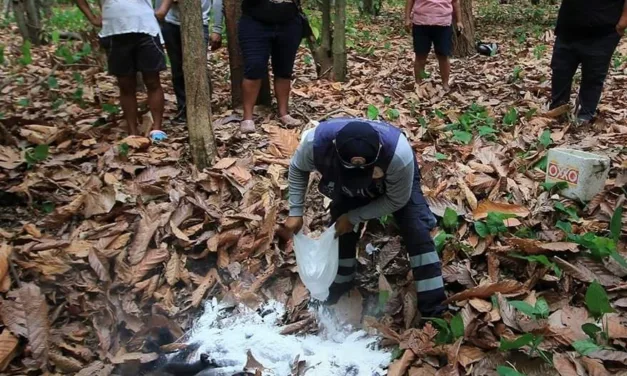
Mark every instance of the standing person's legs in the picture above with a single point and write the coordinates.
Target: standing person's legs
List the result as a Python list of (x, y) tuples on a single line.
[(174, 48), (422, 46), (128, 100), (150, 61), (564, 64), (443, 45), (596, 56), (415, 221), (254, 39), (284, 48)]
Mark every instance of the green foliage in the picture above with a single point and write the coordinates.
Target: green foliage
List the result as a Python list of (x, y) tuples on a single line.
[(597, 300), (520, 342), (539, 51), (440, 240), (516, 75), (397, 353), (450, 220), (26, 57), (123, 149), (599, 247), (67, 19), (385, 220), (540, 259), (586, 346), (72, 57), (53, 83), (111, 108), (511, 117), (476, 118), (525, 232), (392, 114), (448, 333), (23, 102), (2, 59), (441, 157), (570, 211), (567, 227), (554, 186), (37, 154), (541, 164), (616, 223), (591, 330), (384, 296), (540, 311), (372, 112), (508, 371), (462, 136), (545, 138), (493, 224)]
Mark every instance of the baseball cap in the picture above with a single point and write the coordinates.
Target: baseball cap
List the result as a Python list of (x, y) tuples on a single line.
[(358, 146)]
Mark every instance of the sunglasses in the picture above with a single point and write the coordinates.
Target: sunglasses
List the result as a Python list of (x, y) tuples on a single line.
[(349, 165)]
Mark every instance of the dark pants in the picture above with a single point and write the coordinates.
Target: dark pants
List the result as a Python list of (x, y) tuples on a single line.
[(174, 47), (594, 55), (441, 37), (259, 41), (130, 53), (414, 220)]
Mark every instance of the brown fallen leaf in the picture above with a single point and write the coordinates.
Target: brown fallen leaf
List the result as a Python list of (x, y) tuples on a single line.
[(173, 269), (99, 201), (532, 246), (153, 258), (470, 197), (135, 357), (609, 355), (594, 367), (487, 290), (253, 364), (564, 366), (424, 370), (37, 325), (8, 348), (100, 265), (97, 368), (64, 363), (486, 207), (410, 306), (224, 163), (136, 142), (285, 140), (240, 174), (145, 231), (207, 282), (5, 253), (400, 366), (469, 355)]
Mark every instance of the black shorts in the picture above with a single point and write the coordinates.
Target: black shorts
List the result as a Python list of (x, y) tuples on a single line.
[(440, 36), (130, 53)]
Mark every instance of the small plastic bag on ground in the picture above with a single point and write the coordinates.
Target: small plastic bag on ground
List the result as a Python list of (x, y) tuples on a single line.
[(317, 261)]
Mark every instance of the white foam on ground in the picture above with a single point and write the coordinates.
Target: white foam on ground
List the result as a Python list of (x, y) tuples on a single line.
[(334, 351)]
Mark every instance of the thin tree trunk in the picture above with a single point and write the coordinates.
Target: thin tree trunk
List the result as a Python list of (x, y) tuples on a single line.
[(324, 54), (19, 12), (46, 7), (6, 7), (232, 14), (339, 41), (33, 24), (464, 42), (201, 138)]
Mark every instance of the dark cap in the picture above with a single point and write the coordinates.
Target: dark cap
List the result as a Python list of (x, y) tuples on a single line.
[(358, 146)]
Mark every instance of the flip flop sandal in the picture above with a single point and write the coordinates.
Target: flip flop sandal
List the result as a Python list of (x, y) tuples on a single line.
[(247, 126), (157, 136), (289, 121)]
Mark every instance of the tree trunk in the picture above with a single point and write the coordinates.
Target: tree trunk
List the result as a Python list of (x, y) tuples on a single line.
[(464, 42), (6, 8), (46, 7), (201, 138), (19, 12), (33, 24), (324, 55), (232, 14), (339, 41)]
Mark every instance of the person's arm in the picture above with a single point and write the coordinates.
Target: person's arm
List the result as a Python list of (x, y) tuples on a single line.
[(622, 23), (301, 165), (409, 6), (163, 9), (457, 15), (398, 185), (86, 10)]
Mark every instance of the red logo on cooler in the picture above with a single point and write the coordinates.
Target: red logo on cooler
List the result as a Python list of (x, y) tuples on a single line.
[(567, 174)]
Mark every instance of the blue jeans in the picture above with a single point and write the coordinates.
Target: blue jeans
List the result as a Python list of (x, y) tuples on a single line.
[(259, 41), (173, 44), (594, 54), (415, 221)]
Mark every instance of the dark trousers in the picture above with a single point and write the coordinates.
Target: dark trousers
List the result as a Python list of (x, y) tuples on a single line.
[(414, 220), (594, 55), (174, 46)]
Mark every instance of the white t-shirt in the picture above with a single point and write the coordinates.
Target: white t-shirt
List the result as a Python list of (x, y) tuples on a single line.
[(128, 16)]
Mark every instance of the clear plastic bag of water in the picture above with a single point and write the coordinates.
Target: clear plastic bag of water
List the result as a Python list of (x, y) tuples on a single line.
[(317, 261)]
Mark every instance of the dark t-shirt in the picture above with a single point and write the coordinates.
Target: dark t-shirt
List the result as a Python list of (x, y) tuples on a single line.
[(270, 11), (580, 19)]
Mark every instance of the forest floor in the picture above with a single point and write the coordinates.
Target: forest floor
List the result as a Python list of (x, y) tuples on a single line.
[(104, 238)]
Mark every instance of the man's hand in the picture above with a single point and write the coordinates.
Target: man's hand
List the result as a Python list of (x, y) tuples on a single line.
[(293, 225), (161, 13), (621, 26), (460, 27), (215, 41), (96, 20), (408, 24), (343, 226)]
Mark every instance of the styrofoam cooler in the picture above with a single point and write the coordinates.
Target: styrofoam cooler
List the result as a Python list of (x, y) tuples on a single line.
[(584, 172)]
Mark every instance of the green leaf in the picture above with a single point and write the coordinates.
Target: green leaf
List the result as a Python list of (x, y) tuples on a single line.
[(508, 371), (397, 353), (462, 136), (619, 259), (523, 340), (486, 131), (495, 224), (457, 326), (56, 37), (597, 300), (444, 332), (571, 211), (511, 117), (542, 308), (384, 296), (387, 101), (110, 108), (123, 149), (47, 207), (2, 59), (372, 112), (37, 154), (393, 114), (53, 83), (450, 219), (524, 307), (585, 347), (542, 163), (540, 259), (616, 223), (441, 157), (558, 186), (591, 330), (26, 57), (440, 240), (481, 229), (23, 102), (567, 227)]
